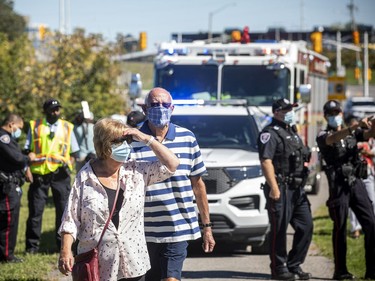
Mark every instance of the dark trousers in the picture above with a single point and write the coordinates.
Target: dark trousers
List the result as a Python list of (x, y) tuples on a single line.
[(9, 216), (293, 207), (355, 197), (37, 196)]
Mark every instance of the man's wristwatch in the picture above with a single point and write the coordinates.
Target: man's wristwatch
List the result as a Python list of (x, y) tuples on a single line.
[(204, 225)]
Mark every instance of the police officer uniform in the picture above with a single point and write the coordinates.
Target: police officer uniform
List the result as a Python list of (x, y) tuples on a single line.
[(344, 170), (280, 143), (53, 143), (12, 166)]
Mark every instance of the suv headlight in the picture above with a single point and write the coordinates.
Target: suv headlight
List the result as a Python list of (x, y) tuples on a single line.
[(237, 174)]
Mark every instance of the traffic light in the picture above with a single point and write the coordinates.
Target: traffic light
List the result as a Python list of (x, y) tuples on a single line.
[(369, 74), (142, 40), (42, 32), (357, 73), (317, 41), (236, 36), (356, 39)]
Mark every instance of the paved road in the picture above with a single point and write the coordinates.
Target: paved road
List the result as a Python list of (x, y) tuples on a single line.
[(243, 265)]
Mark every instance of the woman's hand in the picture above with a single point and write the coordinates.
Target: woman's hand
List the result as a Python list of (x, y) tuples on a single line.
[(137, 135), (66, 262)]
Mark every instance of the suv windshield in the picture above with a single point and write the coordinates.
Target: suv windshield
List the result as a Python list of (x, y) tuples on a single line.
[(237, 132)]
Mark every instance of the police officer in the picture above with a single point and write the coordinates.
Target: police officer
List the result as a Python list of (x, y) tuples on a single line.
[(283, 157), (53, 141), (344, 170), (12, 173)]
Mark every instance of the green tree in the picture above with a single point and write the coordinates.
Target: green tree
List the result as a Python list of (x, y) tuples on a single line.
[(70, 68), (79, 67), (16, 64), (11, 23)]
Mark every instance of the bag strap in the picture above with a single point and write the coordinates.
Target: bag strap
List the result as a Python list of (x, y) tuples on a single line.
[(112, 211)]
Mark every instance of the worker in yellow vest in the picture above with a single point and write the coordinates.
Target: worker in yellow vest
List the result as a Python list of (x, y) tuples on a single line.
[(53, 141)]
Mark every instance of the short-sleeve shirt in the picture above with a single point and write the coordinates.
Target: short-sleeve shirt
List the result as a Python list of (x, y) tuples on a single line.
[(74, 147), (123, 251), (170, 214), (329, 152), (269, 142), (84, 134), (11, 156)]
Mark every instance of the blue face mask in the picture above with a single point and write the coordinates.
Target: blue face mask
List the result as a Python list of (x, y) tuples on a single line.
[(289, 117), (16, 134), (334, 121), (120, 152), (159, 116)]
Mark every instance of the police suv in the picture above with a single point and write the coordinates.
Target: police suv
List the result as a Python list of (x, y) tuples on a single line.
[(227, 135)]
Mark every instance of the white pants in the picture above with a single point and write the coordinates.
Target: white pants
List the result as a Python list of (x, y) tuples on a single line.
[(370, 187)]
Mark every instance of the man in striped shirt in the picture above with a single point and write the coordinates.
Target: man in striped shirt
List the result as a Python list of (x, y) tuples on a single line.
[(170, 217)]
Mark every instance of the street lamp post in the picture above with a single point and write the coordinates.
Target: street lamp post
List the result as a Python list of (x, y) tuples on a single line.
[(210, 16)]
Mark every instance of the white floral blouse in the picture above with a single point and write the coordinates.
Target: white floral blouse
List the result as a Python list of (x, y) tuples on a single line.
[(123, 251)]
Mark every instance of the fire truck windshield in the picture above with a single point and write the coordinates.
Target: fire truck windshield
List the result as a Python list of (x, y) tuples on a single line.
[(188, 81), (256, 83)]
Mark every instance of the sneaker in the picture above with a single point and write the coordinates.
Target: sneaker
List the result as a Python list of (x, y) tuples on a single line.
[(283, 276), (343, 276), (299, 274)]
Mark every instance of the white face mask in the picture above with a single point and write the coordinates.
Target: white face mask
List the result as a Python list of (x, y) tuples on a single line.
[(16, 134), (335, 121), (120, 152), (289, 117)]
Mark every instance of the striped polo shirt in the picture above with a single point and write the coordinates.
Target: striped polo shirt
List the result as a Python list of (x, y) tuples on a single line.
[(169, 209)]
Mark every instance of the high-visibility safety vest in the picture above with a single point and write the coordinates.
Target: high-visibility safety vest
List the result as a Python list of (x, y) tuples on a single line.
[(52, 151)]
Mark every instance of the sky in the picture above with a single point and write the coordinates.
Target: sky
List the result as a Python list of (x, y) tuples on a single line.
[(161, 18)]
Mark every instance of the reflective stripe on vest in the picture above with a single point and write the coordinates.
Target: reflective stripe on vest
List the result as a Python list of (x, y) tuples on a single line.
[(51, 153)]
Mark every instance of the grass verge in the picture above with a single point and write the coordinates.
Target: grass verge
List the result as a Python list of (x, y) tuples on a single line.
[(322, 237), (39, 266)]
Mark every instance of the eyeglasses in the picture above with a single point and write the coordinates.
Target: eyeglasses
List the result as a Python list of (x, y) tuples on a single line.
[(121, 139), (164, 104)]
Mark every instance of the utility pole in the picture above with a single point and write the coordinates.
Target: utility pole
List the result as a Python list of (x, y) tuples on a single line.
[(302, 17), (365, 66), (353, 8), (210, 16), (63, 18)]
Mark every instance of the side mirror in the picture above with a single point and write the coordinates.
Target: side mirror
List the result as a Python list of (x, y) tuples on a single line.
[(276, 66), (305, 92)]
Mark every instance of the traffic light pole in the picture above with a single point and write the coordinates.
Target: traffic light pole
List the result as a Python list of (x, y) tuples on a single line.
[(365, 66), (339, 69)]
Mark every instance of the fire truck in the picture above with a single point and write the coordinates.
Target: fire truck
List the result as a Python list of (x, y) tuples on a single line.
[(259, 73)]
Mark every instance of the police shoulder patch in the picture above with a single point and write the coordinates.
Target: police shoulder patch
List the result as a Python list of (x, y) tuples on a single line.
[(265, 137), (5, 139)]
